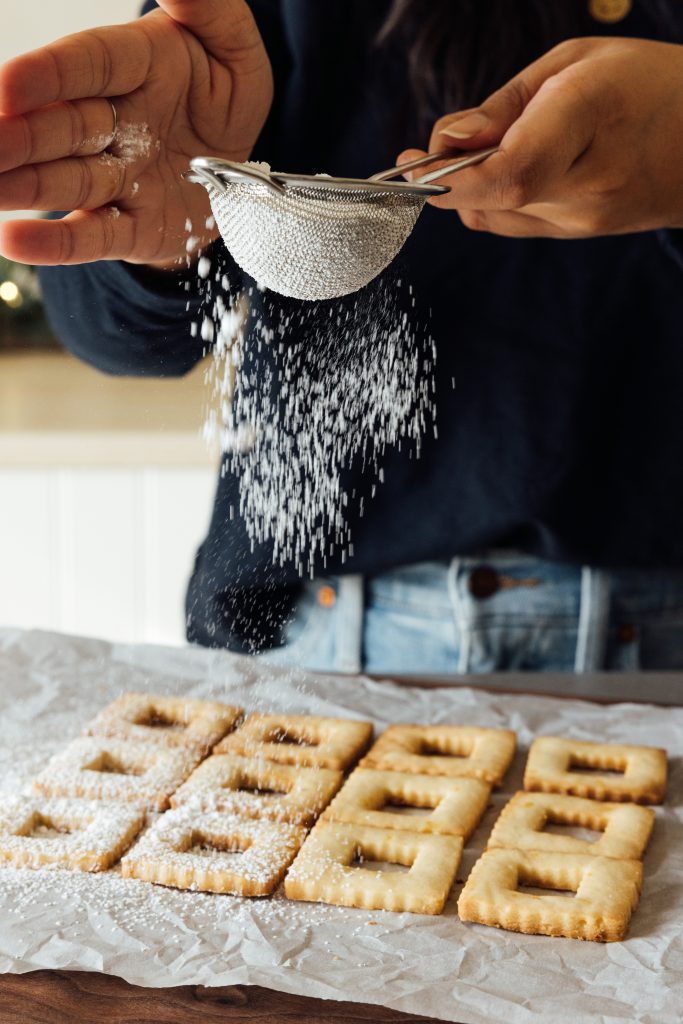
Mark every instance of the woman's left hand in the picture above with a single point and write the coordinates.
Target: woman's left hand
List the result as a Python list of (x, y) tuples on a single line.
[(591, 143)]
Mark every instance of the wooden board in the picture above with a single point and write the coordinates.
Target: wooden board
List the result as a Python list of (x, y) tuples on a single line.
[(67, 997)]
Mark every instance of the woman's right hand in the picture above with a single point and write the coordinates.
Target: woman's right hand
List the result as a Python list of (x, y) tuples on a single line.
[(192, 78)]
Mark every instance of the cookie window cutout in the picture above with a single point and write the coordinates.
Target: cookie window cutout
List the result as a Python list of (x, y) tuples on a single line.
[(168, 721), (386, 799), (603, 893), (82, 835), (449, 750), (599, 771), (334, 867), (101, 768), (214, 852), (623, 829), (303, 740), (255, 788)]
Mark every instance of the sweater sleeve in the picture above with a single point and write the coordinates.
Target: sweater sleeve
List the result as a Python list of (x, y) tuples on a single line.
[(132, 320), (124, 319)]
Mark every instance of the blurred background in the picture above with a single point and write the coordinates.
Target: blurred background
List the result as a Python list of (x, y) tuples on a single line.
[(105, 483)]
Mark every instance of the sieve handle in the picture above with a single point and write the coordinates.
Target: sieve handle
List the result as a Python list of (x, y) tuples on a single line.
[(465, 160)]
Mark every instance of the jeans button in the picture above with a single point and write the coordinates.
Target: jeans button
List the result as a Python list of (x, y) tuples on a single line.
[(626, 633), (483, 582), (327, 597)]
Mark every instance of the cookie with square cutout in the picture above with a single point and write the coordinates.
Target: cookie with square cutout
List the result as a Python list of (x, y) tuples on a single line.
[(306, 740), (450, 750), (84, 835), (604, 892), (168, 721), (214, 852), (102, 768), (371, 797), (625, 828), (557, 765), (254, 788), (329, 868)]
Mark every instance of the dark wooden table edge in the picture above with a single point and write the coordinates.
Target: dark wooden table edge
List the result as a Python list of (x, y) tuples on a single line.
[(67, 997), (664, 689)]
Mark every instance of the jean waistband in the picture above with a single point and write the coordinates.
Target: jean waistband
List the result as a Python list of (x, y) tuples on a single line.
[(465, 586)]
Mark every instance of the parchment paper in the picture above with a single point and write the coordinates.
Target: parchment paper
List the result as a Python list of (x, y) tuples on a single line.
[(51, 685)]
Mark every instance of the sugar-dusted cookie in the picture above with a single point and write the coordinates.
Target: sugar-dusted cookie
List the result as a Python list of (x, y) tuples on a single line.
[(81, 834), (375, 798), (299, 739), (254, 788), (558, 765), (101, 768), (329, 868), (214, 852), (169, 721), (603, 893), (626, 828), (452, 750)]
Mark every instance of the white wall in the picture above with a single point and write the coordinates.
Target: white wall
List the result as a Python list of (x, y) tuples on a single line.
[(27, 24)]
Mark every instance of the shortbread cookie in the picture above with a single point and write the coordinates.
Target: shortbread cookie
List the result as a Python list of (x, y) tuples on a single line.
[(99, 768), (554, 766), (325, 870), (452, 750), (214, 852), (299, 739), (169, 721), (371, 797), (626, 828), (606, 893), (84, 835), (254, 788)]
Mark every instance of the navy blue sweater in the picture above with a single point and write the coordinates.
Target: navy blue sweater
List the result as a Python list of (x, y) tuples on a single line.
[(564, 435)]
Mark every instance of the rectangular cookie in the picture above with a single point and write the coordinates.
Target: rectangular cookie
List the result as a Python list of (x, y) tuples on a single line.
[(84, 835), (555, 765), (168, 721), (451, 750), (214, 852), (304, 740), (371, 797), (626, 828), (329, 868), (606, 893), (101, 768), (254, 788)]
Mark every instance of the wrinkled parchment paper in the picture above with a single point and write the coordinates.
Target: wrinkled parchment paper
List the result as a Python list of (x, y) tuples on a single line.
[(51, 685)]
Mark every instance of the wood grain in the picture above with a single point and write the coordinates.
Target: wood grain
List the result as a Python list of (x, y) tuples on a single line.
[(67, 997)]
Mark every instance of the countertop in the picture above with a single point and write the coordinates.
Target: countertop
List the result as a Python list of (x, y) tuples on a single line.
[(56, 410)]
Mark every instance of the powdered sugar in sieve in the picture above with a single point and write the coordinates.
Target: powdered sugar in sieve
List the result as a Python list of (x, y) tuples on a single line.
[(314, 236)]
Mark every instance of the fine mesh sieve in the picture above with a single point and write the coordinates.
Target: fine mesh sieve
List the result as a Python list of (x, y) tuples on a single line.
[(316, 237)]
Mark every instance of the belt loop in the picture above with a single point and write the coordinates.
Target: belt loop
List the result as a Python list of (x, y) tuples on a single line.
[(594, 613), (464, 634), (349, 627)]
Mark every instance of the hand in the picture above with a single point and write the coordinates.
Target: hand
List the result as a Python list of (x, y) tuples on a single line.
[(591, 143), (191, 79)]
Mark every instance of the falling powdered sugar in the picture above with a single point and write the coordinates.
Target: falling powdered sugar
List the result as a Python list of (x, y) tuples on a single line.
[(305, 396)]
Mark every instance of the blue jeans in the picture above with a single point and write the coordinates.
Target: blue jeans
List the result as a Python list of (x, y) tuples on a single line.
[(500, 611)]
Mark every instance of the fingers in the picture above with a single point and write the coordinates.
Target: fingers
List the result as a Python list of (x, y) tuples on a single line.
[(512, 225), (487, 124), (81, 128), (80, 183), (100, 62), (225, 27), (552, 133), (82, 237)]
